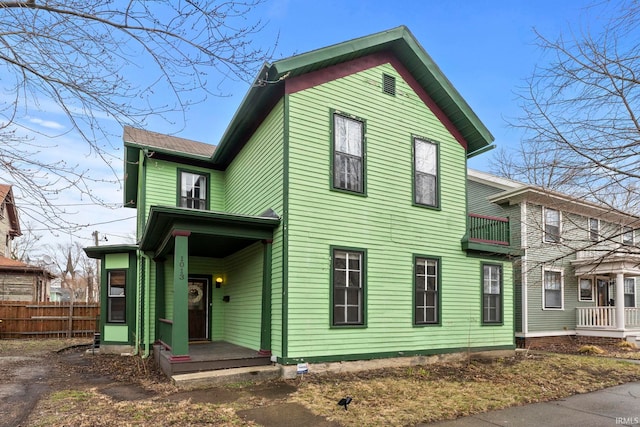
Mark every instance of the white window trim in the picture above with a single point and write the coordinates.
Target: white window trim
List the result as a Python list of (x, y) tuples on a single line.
[(593, 291), (544, 225), (590, 230), (635, 290), (633, 235), (557, 270)]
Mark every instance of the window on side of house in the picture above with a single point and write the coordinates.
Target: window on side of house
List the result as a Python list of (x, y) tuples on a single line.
[(628, 235), (586, 289), (552, 290), (551, 225), (427, 287), (348, 275), (594, 229), (116, 296), (491, 293), (425, 180), (193, 190), (348, 154), (630, 292)]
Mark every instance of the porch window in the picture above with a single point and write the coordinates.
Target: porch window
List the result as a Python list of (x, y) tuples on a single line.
[(586, 290), (348, 287), (630, 292), (594, 229), (193, 190), (552, 293), (627, 235), (116, 296), (551, 225), (425, 180), (492, 293), (348, 154), (427, 285)]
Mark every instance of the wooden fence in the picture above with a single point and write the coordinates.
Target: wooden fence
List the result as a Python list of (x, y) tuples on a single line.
[(48, 319)]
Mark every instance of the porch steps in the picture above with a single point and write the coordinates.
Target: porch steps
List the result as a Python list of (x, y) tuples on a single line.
[(205, 379)]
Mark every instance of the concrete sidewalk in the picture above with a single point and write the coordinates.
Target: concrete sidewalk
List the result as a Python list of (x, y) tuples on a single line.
[(615, 406)]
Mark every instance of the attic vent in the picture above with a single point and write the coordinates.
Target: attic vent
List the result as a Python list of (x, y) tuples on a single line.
[(389, 84)]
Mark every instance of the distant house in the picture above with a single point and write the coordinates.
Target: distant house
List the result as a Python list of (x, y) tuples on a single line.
[(329, 224), (580, 265), (9, 223)]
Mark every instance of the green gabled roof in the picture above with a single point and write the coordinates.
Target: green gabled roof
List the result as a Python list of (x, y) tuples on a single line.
[(399, 41)]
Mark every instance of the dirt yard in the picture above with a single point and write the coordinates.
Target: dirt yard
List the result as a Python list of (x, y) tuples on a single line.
[(44, 387)]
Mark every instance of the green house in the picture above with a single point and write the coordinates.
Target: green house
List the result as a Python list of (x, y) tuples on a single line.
[(328, 224)]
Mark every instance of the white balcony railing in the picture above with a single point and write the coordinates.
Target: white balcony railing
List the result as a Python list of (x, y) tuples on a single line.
[(605, 317)]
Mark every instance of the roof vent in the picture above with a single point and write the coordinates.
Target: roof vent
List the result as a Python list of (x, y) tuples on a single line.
[(389, 84)]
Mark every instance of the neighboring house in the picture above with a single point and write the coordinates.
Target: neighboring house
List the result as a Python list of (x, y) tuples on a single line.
[(580, 263), (328, 224), (9, 223)]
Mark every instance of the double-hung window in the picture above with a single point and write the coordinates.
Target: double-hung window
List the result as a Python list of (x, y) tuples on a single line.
[(427, 288), (425, 180), (491, 293), (116, 296), (348, 275), (630, 292), (348, 153), (551, 225), (594, 229), (193, 190), (552, 289), (627, 235)]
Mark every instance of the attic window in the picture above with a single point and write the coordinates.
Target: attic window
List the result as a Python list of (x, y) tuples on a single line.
[(389, 84)]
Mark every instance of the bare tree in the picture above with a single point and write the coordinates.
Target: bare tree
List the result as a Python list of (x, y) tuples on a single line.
[(23, 247), (580, 112), (76, 272), (102, 62)]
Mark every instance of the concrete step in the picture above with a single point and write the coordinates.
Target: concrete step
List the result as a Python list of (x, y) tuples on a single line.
[(205, 379)]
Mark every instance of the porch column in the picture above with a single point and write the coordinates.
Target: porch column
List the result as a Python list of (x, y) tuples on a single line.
[(619, 301), (180, 329), (265, 329)]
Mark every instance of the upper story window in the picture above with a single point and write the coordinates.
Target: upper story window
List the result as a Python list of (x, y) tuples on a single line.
[(193, 190), (348, 154), (551, 225), (594, 229), (627, 235), (116, 296), (425, 180)]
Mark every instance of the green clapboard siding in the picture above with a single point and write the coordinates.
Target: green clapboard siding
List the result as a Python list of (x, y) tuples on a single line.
[(385, 223)]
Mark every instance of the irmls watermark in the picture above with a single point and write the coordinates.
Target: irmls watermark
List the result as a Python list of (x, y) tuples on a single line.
[(627, 421)]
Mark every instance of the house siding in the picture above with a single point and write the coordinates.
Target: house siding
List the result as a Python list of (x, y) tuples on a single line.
[(384, 223)]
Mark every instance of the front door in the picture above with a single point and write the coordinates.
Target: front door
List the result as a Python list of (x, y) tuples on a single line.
[(198, 309), (602, 290)]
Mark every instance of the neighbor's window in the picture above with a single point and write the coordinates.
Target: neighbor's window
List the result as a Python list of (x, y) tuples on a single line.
[(348, 154), (348, 287), (551, 225), (491, 293), (116, 296), (630, 292), (594, 229), (425, 179), (427, 284), (627, 235), (552, 293), (586, 290), (193, 190)]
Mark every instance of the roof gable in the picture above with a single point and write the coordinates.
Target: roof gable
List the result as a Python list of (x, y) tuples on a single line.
[(7, 200)]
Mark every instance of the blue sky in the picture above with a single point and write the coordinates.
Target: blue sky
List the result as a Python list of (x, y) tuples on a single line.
[(485, 48)]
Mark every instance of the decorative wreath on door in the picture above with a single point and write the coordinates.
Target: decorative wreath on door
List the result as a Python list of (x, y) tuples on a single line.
[(195, 294)]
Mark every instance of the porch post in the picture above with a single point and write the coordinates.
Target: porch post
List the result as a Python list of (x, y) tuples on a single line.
[(265, 329), (180, 329), (620, 301)]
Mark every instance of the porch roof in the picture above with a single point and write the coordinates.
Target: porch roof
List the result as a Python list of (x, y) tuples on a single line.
[(610, 263), (211, 234)]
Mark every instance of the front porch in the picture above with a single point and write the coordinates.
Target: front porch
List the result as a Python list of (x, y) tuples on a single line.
[(602, 321), (208, 356)]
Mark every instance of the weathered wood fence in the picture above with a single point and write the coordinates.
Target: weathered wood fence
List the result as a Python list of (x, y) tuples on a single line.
[(48, 319)]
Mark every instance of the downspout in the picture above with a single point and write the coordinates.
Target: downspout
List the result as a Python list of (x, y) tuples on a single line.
[(143, 286)]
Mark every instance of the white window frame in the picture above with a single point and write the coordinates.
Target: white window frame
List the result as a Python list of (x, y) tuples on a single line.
[(628, 230), (425, 171), (594, 233), (188, 181), (346, 153), (624, 288), (590, 279), (544, 290), (544, 226)]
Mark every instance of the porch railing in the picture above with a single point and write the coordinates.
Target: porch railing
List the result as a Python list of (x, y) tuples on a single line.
[(596, 317), (632, 317), (489, 229)]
